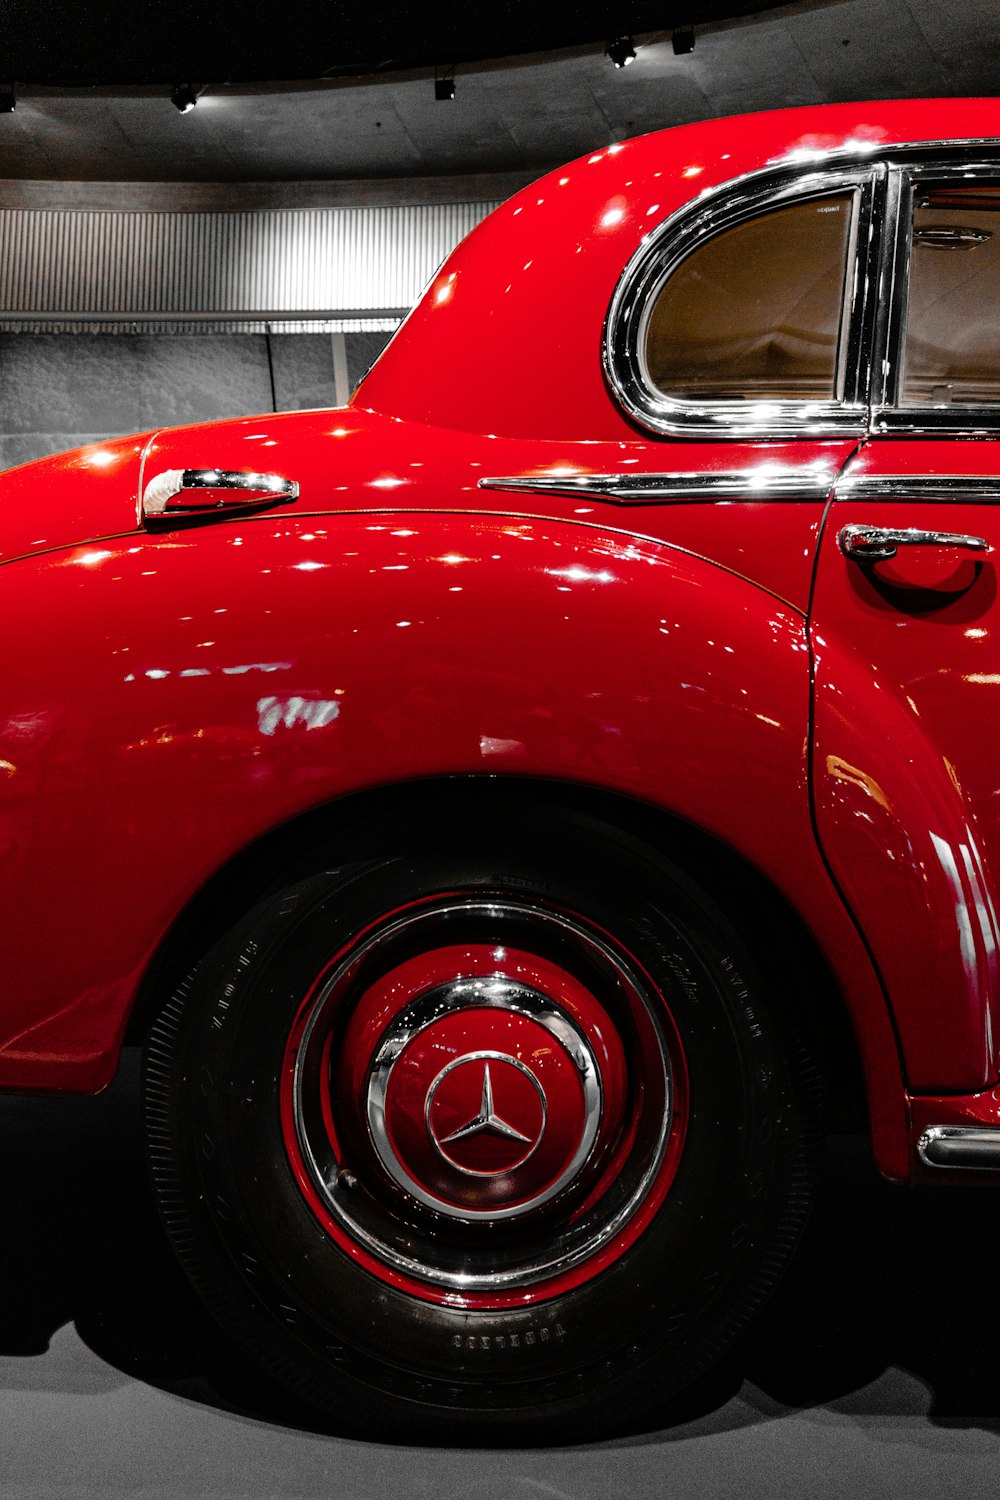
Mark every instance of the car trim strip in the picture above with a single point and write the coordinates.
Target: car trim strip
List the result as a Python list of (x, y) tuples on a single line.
[(948, 487), (970, 1147), (761, 482)]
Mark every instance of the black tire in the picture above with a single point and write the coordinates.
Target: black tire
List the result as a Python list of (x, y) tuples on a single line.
[(354, 1343)]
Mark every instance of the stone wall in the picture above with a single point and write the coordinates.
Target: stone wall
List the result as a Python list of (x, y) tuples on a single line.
[(60, 390)]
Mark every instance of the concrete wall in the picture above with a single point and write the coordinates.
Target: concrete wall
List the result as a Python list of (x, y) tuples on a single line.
[(60, 390)]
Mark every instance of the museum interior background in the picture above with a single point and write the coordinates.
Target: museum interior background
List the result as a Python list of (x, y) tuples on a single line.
[(255, 252)]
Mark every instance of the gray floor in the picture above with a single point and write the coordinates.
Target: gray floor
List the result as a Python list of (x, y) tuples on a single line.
[(872, 1372)]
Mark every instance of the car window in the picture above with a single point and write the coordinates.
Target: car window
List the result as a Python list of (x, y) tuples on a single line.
[(951, 337), (759, 311)]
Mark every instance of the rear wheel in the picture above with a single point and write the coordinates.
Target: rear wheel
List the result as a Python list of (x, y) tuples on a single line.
[(481, 1126)]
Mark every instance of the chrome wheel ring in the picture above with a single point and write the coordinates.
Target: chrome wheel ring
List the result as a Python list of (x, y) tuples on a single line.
[(480, 1097)]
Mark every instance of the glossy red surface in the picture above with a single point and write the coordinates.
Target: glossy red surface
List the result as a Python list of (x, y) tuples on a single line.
[(90, 492), (357, 460), (907, 760), (507, 338), (176, 694), (260, 670)]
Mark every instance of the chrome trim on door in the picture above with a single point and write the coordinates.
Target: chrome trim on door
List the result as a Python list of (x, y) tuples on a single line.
[(260, 489), (870, 544), (948, 487), (975, 1148), (762, 482)]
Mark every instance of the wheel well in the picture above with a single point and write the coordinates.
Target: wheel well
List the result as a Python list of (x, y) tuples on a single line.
[(781, 947)]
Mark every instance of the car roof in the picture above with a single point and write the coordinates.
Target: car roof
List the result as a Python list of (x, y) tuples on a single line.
[(507, 337)]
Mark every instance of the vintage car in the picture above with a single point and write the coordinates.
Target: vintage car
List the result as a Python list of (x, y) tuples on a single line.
[(502, 809)]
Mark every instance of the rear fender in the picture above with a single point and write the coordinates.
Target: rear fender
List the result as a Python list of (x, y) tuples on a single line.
[(215, 683)]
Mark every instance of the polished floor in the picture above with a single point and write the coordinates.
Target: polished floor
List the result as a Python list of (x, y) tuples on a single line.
[(872, 1373)]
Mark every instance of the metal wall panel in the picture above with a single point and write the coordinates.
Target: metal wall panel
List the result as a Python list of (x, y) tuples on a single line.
[(60, 266), (276, 322)]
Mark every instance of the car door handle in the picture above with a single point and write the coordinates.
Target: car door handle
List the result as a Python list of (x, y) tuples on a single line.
[(192, 492), (871, 544)]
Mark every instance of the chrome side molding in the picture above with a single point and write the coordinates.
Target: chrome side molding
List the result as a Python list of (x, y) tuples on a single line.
[(973, 1147), (950, 487), (762, 482)]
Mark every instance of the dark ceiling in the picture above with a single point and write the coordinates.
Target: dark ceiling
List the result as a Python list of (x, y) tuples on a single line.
[(385, 138), (127, 42)]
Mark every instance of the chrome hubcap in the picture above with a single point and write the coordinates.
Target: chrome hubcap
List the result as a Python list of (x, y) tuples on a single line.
[(479, 1097), (484, 1099)]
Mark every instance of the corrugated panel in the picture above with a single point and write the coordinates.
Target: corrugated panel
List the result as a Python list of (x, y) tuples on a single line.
[(170, 323), (273, 263)]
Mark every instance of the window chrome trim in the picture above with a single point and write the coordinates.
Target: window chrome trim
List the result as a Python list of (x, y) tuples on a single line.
[(663, 250), (879, 298), (924, 419), (764, 481)]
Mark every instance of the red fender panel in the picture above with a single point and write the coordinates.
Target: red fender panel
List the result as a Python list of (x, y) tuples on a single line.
[(177, 696)]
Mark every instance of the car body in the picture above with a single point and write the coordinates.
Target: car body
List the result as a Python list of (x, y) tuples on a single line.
[(605, 530)]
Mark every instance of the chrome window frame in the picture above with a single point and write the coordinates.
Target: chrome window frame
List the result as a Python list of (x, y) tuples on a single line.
[(726, 207), (968, 165)]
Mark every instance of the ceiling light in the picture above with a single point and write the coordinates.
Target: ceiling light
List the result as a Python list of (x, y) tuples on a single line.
[(184, 97), (621, 52), (444, 88), (683, 41), (6, 98)]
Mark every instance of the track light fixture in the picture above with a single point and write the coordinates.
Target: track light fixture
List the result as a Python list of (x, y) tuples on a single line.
[(621, 52), (683, 41), (184, 97), (7, 100)]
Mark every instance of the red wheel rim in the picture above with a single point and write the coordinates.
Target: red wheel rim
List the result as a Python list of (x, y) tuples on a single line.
[(484, 1101)]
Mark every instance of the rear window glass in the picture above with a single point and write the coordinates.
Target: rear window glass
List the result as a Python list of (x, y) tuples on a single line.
[(758, 312)]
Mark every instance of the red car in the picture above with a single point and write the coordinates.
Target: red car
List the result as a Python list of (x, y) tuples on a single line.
[(502, 808)]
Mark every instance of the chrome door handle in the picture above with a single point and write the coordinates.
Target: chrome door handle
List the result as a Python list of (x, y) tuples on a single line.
[(871, 544), (186, 492)]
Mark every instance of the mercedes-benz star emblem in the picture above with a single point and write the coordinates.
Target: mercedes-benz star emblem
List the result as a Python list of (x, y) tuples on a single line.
[(487, 1118), (487, 1143)]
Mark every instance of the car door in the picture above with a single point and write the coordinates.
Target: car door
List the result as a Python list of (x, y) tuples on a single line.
[(905, 634)]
